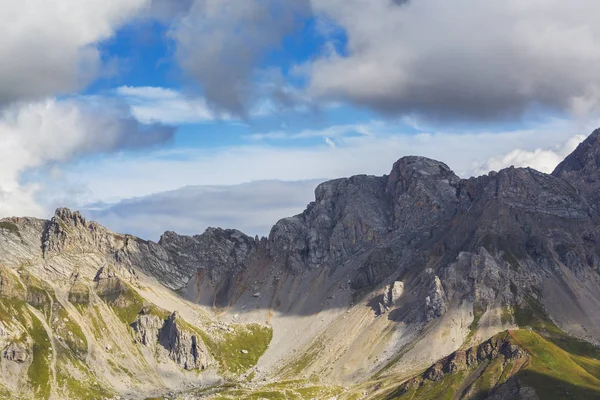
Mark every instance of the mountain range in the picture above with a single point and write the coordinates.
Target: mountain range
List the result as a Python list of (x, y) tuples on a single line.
[(413, 285)]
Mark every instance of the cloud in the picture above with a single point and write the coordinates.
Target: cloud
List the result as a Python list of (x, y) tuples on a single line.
[(461, 59), (167, 106), (167, 10), (48, 133), (116, 177), (544, 160), (252, 208), (332, 131), (221, 43), (224, 198), (151, 104), (49, 47)]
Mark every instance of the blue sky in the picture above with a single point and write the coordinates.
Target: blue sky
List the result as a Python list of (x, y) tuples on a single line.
[(114, 106)]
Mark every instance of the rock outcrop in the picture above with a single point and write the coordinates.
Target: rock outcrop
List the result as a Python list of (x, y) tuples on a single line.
[(184, 347), (499, 346), (16, 352), (147, 327), (580, 168)]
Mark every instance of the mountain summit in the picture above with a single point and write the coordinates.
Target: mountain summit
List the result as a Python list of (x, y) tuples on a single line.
[(414, 285)]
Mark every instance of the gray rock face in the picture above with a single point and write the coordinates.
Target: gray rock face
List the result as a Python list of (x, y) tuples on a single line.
[(182, 346), (16, 353), (581, 167), (70, 231), (423, 193), (436, 301), (218, 251), (355, 214), (147, 328), (392, 293), (185, 348), (462, 360), (347, 215)]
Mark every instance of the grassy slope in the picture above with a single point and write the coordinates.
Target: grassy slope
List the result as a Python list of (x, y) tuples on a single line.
[(560, 367), (253, 339), (284, 390), (555, 373)]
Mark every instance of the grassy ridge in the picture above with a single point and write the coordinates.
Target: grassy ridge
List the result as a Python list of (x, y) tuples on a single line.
[(554, 372), (284, 390), (559, 367)]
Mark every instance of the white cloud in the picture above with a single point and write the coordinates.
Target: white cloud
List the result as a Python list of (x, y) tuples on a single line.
[(225, 200), (167, 106), (252, 208), (47, 133), (48, 47), (541, 159), (150, 104), (331, 131), (461, 58), (117, 177)]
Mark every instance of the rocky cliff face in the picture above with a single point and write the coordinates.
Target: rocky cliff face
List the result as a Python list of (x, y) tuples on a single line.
[(185, 348), (580, 168), (497, 348)]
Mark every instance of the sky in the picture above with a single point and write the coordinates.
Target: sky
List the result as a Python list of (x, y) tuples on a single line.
[(155, 115)]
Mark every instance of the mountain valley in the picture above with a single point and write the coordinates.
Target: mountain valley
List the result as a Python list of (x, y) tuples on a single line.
[(414, 285)]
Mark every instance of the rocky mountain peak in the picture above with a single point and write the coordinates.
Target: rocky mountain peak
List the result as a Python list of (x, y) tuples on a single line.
[(585, 158), (409, 169), (70, 230), (582, 168), (217, 251), (421, 191), (70, 217)]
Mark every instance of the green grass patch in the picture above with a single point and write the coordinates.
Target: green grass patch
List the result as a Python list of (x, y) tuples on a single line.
[(81, 384), (583, 353), (553, 373), (442, 390), (506, 316), (284, 390), (478, 311), (125, 301), (227, 349), (488, 378), (94, 316), (319, 392), (69, 331), (533, 315), (40, 372)]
